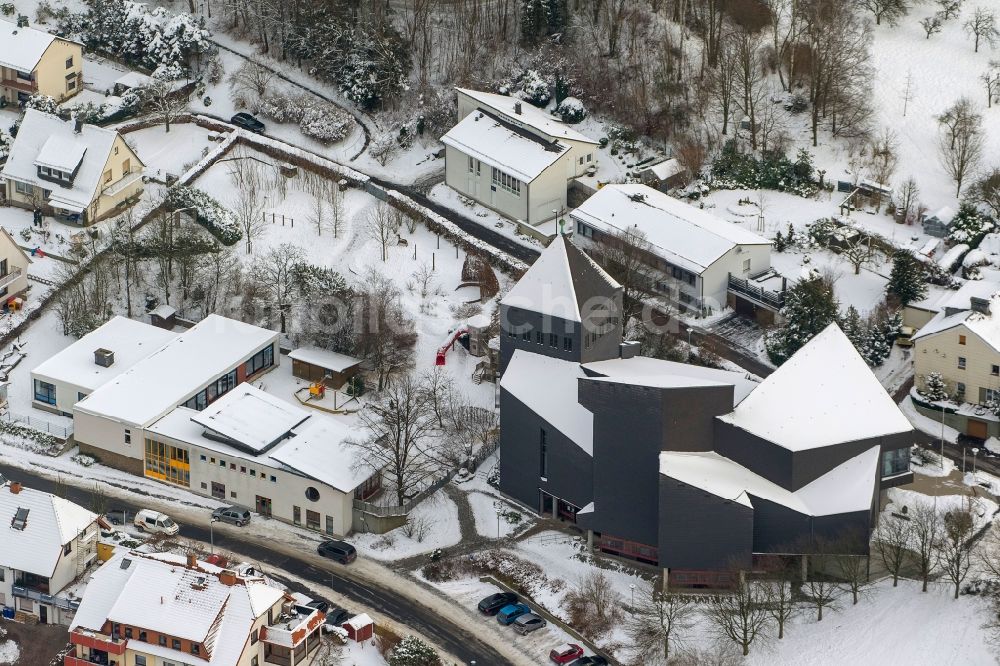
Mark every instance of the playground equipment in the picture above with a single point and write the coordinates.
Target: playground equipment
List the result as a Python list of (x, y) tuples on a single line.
[(454, 335), (317, 390)]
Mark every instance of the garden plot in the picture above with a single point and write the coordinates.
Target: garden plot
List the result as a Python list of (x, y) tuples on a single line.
[(864, 291), (170, 152), (431, 525)]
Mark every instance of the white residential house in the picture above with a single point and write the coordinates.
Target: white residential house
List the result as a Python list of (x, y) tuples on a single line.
[(162, 609), (13, 268), (513, 157), (182, 409), (46, 543), (75, 172), (701, 261)]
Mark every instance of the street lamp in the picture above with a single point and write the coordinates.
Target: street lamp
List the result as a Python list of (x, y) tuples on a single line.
[(975, 454), (496, 505), (211, 534), (631, 588)]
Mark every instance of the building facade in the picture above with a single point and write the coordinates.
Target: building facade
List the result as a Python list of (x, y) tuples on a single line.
[(13, 268), (34, 62)]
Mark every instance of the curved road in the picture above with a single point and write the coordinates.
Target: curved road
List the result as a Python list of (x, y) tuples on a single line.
[(455, 639)]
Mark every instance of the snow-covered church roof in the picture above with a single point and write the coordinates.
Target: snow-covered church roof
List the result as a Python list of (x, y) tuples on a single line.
[(560, 282), (825, 394)]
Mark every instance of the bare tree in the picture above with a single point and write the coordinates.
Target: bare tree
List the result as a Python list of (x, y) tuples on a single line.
[(957, 548), (248, 200), (850, 565), (890, 10), (722, 80), (160, 97), (986, 190), (949, 9), (883, 157), (892, 537), (251, 79), (982, 25), (961, 145), (991, 81), (741, 615), (595, 597), (385, 336), (931, 24), (989, 553), (335, 206), (399, 444), (383, 226), (907, 196), (820, 588), (625, 256), (855, 247), (317, 211), (275, 275), (927, 532), (658, 624), (780, 604)]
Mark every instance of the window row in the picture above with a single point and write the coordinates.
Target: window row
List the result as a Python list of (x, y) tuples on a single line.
[(243, 469), (212, 392), (260, 361), (506, 182), (167, 463)]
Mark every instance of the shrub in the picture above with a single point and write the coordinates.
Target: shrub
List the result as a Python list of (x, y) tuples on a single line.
[(535, 89), (571, 110), (209, 213), (411, 651), (43, 103), (325, 122)]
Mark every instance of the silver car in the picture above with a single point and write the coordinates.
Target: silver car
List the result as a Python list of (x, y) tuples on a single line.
[(528, 623)]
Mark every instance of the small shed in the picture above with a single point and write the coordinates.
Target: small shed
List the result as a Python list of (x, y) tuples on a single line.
[(315, 365), (130, 81), (360, 628), (165, 316), (939, 223), (664, 175)]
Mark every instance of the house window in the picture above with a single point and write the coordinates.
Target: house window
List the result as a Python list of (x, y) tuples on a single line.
[(961, 339), (329, 525), (142, 637), (506, 182), (472, 164), (45, 392), (68, 548), (69, 62), (312, 520), (568, 344), (116, 150), (989, 396), (232, 494), (126, 167), (590, 157), (526, 336), (167, 463), (253, 472), (243, 470), (253, 661), (960, 389), (553, 340), (163, 640), (539, 338), (195, 648), (746, 265), (175, 643), (71, 83), (995, 370), (128, 632), (274, 479), (107, 176), (543, 454), (262, 359), (296, 515), (581, 159), (204, 457), (24, 188), (961, 363), (895, 462), (140, 660)]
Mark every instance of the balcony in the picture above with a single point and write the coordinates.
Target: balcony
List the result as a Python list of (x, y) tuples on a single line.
[(97, 643), (70, 660), (43, 598), (20, 84), (10, 276), (122, 183), (290, 630), (772, 300)]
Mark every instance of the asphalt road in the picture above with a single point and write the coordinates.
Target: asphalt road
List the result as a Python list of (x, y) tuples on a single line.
[(456, 640)]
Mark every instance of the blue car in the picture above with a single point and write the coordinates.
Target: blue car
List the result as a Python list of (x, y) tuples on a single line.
[(510, 613)]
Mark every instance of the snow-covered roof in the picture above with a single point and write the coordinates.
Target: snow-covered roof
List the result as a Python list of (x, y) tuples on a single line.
[(824, 394), (848, 487), (48, 136), (22, 47), (179, 369), (132, 80), (164, 311), (645, 371), (130, 341), (530, 116), (666, 169), (986, 326), (549, 388), (321, 450), (161, 594), (359, 621), (560, 282), (322, 358), (502, 145), (682, 234), (51, 522), (61, 152), (251, 418)]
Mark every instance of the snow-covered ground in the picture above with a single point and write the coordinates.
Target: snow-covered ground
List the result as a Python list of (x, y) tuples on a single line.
[(170, 152), (9, 652), (433, 525)]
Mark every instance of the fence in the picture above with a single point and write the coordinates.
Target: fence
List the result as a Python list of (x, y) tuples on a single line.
[(58, 431), (404, 508), (483, 453)]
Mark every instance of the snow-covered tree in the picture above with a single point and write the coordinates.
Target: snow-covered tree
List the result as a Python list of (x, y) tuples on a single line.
[(935, 388), (854, 328), (411, 651), (810, 306), (571, 110), (43, 103), (969, 226), (906, 281)]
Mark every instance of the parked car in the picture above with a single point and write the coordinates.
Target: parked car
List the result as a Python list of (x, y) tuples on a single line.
[(566, 653), (320, 605), (593, 660), (155, 522), (528, 622), (492, 604), (905, 337), (235, 515), (336, 617), (340, 551), (220, 561), (511, 612), (247, 122)]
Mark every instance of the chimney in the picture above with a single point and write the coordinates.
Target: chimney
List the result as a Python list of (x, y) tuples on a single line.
[(628, 349), (980, 305), (227, 577), (104, 357), (77, 125), (15, 487), (517, 108), (192, 561)]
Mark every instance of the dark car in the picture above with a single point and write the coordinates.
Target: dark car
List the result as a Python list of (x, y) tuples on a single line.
[(247, 122), (492, 604), (593, 660), (340, 551), (235, 515), (320, 605), (336, 617)]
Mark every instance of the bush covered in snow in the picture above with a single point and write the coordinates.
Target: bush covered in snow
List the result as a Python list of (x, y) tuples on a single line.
[(43, 103), (320, 120), (571, 110), (734, 169), (969, 226), (149, 37), (411, 651), (935, 387), (209, 213), (535, 89)]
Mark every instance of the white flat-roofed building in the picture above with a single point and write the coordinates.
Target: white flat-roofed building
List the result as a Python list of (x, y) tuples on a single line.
[(693, 252), (95, 359)]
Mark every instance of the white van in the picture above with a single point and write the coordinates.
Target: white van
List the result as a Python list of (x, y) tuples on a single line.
[(155, 522)]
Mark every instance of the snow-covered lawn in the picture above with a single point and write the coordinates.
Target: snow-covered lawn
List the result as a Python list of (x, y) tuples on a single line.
[(493, 523), (437, 515), (170, 152), (864, 291), (446, 196)]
